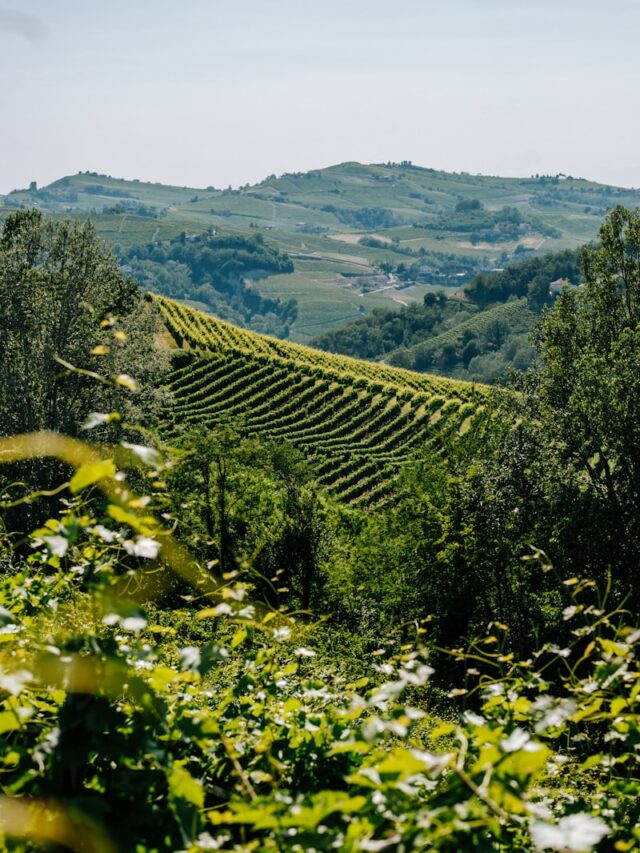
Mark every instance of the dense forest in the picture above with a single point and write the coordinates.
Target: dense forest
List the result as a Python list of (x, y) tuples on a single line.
[(201, 649)]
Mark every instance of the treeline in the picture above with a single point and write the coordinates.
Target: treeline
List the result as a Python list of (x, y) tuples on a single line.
[(489, 226), (483, 347), (211, 270), (530, 278), (385, 330), (364, 217), (448, 268), (444, 336), (222, 257)]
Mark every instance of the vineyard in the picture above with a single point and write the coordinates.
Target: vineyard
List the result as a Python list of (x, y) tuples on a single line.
[(356, 422)]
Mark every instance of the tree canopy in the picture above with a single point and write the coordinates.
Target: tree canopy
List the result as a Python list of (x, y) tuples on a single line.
[(588, 385), (57, 286), (75, 334)]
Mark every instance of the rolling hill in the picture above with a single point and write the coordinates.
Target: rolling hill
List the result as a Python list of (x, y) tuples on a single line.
[(359, 236), (356, 422), (493, 326)]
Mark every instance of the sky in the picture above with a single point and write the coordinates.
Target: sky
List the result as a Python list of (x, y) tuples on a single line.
[(226, 92)]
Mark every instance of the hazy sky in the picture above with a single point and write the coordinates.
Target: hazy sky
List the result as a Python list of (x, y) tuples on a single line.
[(225, 92)]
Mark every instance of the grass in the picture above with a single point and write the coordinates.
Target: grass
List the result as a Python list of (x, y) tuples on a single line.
[(324, 300)]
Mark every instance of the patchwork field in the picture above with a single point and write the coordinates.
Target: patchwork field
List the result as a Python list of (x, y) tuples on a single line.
[(445, 225)]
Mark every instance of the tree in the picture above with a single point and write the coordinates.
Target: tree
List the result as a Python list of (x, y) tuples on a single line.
[(495, 333), (67, 311), (588, 386), (297, 550), (470, 351), (253, 505), (57, 284), (555, 466)]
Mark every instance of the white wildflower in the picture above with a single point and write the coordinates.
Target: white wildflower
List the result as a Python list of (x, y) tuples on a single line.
[(142, 547), (282, 633), (576, 833), (305, 653)]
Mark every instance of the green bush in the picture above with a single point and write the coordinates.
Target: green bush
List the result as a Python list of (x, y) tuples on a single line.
[(218, 725)]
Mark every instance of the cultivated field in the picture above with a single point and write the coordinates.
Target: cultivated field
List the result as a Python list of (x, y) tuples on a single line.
[(320, 217), (355, 421)]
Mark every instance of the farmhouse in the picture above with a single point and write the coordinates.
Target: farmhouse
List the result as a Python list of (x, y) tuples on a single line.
[(560, 284)]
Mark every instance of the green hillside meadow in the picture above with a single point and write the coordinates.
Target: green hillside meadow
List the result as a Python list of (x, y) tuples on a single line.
[(357, 422), (348, 228)]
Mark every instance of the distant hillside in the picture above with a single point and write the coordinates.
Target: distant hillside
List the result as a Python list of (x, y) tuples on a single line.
[(445, 337), (359, 236), (355, 422), (477, 337), (481, 348)]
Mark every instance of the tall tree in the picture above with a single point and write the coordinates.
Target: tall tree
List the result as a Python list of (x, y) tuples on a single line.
[(588, 386), (66, 312), (57, 283)]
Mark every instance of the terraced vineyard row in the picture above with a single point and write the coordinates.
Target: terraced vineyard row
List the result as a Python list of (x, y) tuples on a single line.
[(355, 421)]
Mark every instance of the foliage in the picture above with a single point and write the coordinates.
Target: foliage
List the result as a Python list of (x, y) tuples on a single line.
[(65, 311), (384, 330), (586, 388), (364, 217), (57, 284), (356, 421), (453, 542), (498, 226), (481, 347), (247, 503), (530, 278), (211, 269), (444, 336), (135, 728), (460, 688)]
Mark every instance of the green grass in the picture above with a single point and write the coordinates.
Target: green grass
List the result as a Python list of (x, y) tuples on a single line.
[(89, 197), (326, 300), (356, 422)]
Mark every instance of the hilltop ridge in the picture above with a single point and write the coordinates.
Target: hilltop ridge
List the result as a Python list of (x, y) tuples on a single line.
[(359, 236)]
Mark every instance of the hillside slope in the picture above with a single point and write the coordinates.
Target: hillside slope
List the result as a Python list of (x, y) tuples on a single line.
[(356, 422), (481, 348), (360, 236)]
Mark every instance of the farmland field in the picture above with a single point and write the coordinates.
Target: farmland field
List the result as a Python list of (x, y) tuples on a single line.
[(356, 422)]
